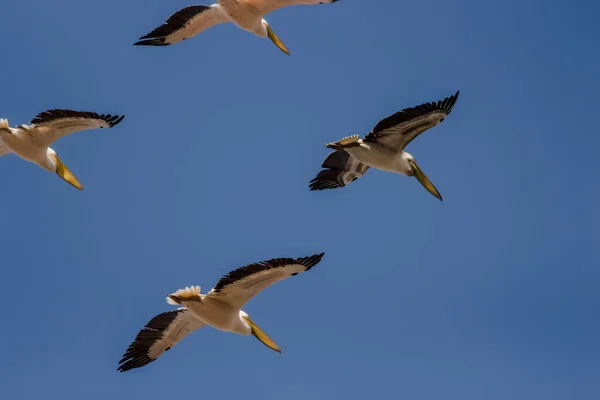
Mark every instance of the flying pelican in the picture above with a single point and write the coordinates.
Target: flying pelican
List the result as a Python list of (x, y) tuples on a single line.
[(219, 308), (246, 14), (31, 142), (383, 147)]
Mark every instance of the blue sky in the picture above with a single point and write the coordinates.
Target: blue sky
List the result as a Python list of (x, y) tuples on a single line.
[(491, 294)]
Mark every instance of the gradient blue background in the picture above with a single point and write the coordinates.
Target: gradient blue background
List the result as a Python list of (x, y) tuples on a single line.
[(492, 294)]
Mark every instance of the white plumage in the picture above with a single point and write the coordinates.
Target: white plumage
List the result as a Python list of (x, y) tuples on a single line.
[(246, 14), (383, 147), (219, 308), (32, 142)]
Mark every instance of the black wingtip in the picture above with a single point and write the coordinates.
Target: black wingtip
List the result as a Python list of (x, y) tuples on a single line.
[(448, 103), (112, 120), (310, 261), (151, 42), (322, 184), (118, 120), (325, 179), (455, 97), (318, 184)]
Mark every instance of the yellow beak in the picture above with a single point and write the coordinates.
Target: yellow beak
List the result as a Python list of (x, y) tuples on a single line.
[(423, 180), (276, 40), (260, 335), (65, 174)]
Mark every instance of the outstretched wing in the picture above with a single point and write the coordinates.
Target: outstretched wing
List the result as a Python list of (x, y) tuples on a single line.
[(183, 24), (266, 6), (340, 169), (49, 126), (159, 335), (398, 130), (240, 285)]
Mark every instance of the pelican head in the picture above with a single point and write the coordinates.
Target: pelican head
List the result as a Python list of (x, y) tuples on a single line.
[(62, 170), (414, 170), (257, 332), (269, 32)]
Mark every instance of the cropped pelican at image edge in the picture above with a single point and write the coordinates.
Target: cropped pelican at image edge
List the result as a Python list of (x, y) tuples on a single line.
[(32, 142), (246, 14)]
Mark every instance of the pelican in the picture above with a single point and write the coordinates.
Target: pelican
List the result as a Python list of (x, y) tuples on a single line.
[(219, 308), (246, 14), (383, 148), (31, 142)]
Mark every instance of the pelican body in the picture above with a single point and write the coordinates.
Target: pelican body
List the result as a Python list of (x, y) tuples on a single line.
[(220, 308), (32, 142), (381, 157), (218, 314), (246, 14), (383, 148)]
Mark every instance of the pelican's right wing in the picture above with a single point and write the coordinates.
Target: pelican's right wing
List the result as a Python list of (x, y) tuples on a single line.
[(183, 24), (267, 6), (398, 130), (340, 169), (159, 335), (240, 285), (49, 126)]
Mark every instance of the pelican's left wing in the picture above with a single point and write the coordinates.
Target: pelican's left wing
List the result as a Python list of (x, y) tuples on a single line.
[(49, 126), (159, 335), (340, 169), (398, 130), (238, 286), (183, 24)]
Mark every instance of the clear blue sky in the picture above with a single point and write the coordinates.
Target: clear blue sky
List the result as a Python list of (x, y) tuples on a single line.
[(492, 294)]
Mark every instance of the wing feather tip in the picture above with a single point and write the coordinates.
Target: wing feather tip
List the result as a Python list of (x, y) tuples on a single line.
[(151, 42), (311, 261), (450, 102), (116, 120), (318, 185)]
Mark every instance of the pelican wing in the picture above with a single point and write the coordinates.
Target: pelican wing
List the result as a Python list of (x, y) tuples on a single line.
[(159, 335), (183, 24), (49, 126), (238, 286), (340, 169), (398, 130), (266, 6)]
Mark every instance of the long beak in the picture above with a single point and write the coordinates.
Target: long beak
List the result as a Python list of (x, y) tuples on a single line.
[(276, 40), (423, 180), (65, 174), (260, 335)]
